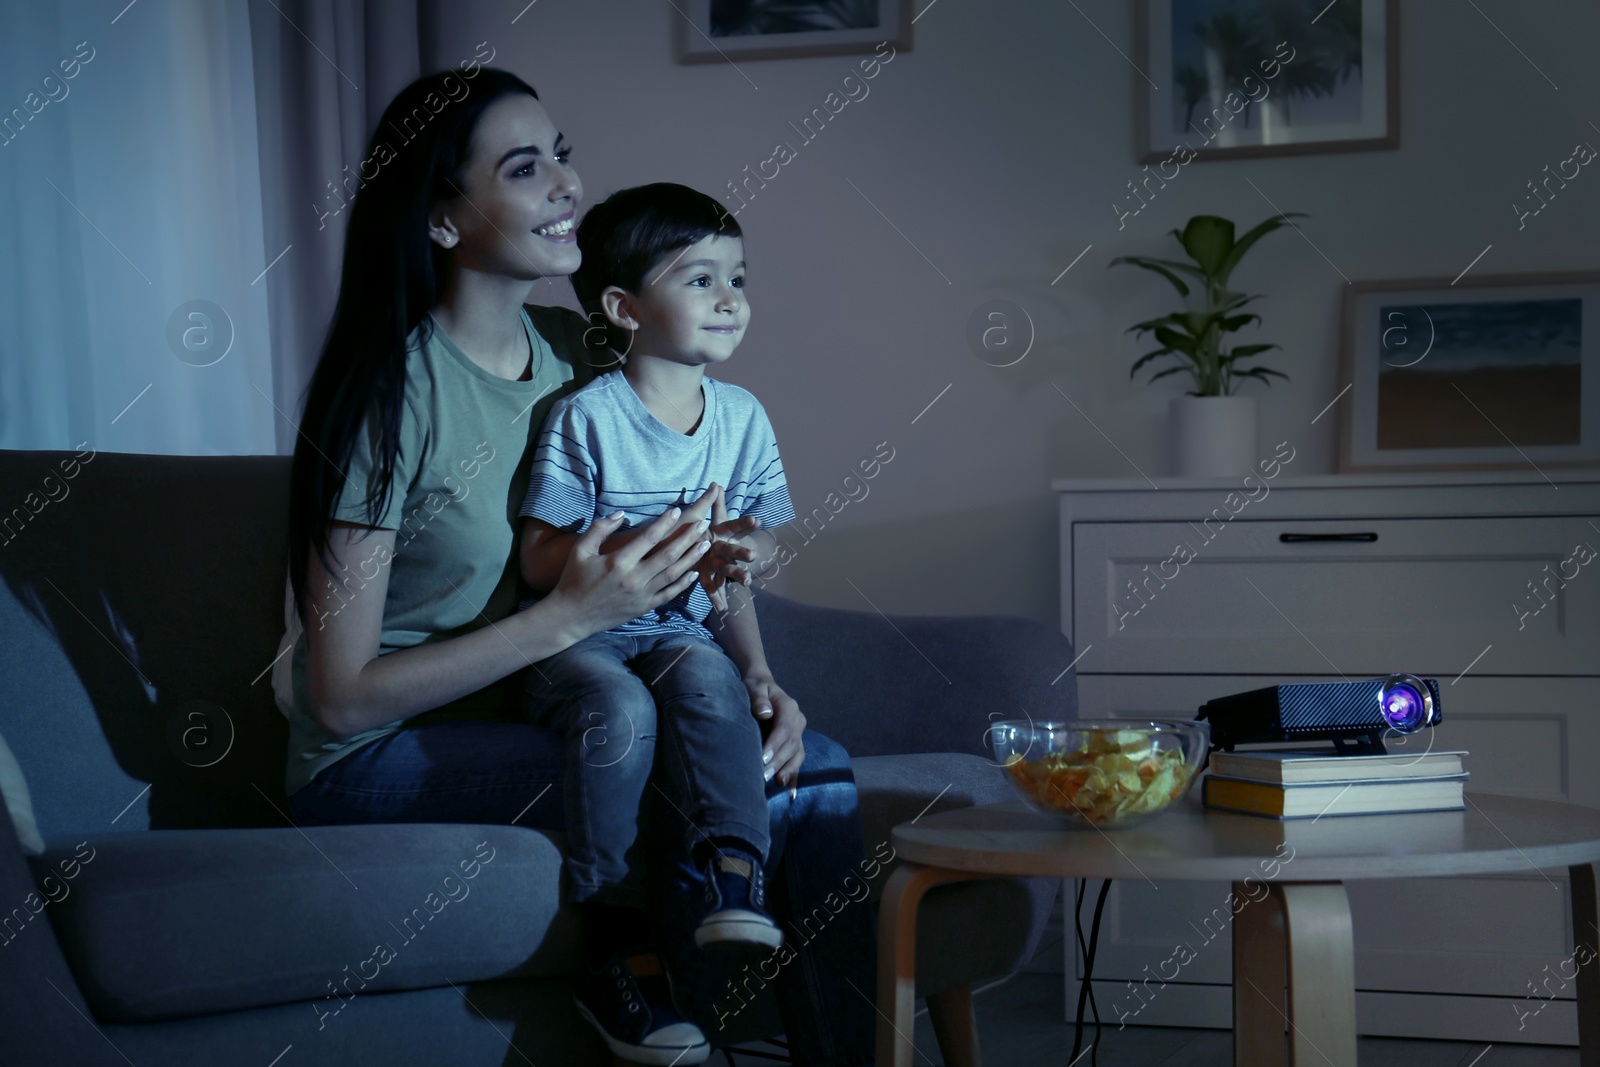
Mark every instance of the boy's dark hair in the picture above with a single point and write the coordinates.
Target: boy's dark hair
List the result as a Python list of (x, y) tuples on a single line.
[(625, 236)]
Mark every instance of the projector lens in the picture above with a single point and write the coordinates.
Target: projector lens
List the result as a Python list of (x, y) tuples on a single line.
[(1405, 702)]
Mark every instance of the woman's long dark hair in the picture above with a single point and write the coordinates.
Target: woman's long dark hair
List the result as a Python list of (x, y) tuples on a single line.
[(388, 282)]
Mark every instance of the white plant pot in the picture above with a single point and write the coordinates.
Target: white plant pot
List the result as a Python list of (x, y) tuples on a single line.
[(1211, 436)]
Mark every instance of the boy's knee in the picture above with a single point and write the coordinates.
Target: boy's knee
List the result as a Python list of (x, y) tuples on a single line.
[(727, 704), (702, 670), (594, 679)]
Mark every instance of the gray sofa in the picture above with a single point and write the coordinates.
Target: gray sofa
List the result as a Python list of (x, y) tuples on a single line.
[(178, 917)]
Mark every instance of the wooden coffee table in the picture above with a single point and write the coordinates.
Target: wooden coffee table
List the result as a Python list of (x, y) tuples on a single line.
[(1297, 936)]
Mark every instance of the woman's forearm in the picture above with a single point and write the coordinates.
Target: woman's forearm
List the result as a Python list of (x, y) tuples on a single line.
[(394, 687)]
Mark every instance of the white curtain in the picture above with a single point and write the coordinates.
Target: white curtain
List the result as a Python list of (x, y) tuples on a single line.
[(324, 72), (165, 280), (132, 190)]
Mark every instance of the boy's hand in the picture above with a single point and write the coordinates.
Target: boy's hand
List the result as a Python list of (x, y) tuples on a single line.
[(695, 512), (783, 724), (723, 561)]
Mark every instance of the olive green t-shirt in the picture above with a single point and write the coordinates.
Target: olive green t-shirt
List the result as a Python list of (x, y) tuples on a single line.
[(466, 442)]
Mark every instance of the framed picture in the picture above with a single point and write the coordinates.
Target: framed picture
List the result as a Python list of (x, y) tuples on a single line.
[(714, 31), (1493, 373), (1237, 79)]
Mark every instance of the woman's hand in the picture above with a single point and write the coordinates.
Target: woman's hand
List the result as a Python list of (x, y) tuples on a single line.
[(783, 724), (602, 590), (700, 509)]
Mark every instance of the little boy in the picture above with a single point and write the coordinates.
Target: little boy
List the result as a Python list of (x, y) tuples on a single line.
[(663, 272)]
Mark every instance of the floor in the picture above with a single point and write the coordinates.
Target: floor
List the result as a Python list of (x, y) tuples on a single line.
[(1020, 1024)]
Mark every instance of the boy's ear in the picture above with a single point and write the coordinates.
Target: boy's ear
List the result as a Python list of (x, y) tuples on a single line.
[(617, 303)]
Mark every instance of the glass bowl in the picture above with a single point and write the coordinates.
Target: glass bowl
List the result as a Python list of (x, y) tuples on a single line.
[(1101, 772)]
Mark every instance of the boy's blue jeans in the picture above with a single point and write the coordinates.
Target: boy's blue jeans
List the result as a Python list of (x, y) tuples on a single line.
[(631, 706), (480, 771)]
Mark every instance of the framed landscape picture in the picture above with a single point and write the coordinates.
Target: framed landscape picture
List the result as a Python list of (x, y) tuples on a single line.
[(1494, 373), (1234, 79), (714, 31)]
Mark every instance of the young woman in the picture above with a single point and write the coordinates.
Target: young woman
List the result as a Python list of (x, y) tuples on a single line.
[(415, 444)]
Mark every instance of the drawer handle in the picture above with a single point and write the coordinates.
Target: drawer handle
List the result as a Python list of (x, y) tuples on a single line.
[(1296, 538)]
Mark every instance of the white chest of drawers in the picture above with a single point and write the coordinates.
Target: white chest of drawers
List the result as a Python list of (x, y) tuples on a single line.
[(1202, 588)]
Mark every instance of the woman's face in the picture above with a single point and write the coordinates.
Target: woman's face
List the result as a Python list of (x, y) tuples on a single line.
[(516, 212)]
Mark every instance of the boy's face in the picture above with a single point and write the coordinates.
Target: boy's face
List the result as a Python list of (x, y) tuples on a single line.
[(692, 307)]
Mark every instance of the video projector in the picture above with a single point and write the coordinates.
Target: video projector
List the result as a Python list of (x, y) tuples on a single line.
[(1355, 716)]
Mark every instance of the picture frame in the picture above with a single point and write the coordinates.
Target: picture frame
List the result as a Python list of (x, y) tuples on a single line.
[(1247, 79), (782, 29), (1491, 373)]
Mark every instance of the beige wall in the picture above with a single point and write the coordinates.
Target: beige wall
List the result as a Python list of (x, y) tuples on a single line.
[(996, 147)]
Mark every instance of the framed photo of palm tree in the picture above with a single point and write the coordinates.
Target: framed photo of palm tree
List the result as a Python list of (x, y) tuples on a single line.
[(716, 31), (1234, 79)]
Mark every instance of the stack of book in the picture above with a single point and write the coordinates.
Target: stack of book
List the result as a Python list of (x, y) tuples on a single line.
[(1311, 783)]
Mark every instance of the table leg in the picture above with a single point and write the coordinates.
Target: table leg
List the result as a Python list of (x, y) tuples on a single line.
[(1322, 974), (1586, 943), (1259, 974), (897, 958), (1298, 937), (956, 1026)]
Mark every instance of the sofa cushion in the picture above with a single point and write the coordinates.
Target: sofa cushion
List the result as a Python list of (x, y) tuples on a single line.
[(166, 923)]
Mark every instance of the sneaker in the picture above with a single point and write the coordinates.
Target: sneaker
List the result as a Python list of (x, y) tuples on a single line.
[(629, 1001), (736, 914)]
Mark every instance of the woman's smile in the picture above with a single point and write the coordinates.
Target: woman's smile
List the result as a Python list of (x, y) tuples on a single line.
[(559, 230)]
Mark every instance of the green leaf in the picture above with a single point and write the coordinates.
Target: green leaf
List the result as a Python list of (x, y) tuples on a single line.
[(1209, 241), (1170, 370), (1158, 267), (1175, 319), (1229, 301), (1171, 264), (1265, 227), (1238, 322), (1250, 350), (1178, 342), (1146, 358)]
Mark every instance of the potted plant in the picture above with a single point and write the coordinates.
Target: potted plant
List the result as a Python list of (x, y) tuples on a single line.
[(1212, 431)]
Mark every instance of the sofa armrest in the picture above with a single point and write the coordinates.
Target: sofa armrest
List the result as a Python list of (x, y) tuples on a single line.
[(43, 1016), (881, 685)]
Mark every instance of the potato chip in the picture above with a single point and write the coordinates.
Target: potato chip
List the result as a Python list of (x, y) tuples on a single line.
[(1112, 774)]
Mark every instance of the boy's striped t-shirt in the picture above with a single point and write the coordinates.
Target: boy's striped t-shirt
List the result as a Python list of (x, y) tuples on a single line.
[(601, 451)]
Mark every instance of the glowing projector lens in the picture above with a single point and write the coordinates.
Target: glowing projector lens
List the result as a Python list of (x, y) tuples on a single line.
[(1406, 703)]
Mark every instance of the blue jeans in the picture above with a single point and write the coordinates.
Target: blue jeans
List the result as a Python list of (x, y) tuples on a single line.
[(614, 696), (481, 771), (825, 973)]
